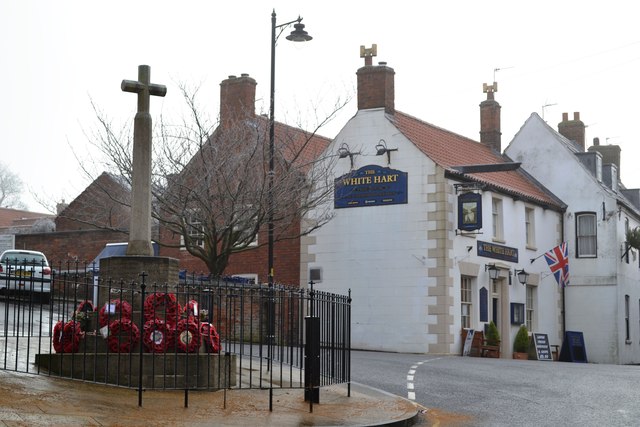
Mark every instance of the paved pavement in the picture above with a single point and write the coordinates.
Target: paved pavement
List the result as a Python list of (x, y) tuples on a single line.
[(27, 399)]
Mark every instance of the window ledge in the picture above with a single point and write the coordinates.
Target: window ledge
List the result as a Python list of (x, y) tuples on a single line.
[(498, 240), (531, 248)]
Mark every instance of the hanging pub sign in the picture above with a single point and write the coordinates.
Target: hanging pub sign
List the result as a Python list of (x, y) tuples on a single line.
[(469, 211), (370, 185), (491, 250)]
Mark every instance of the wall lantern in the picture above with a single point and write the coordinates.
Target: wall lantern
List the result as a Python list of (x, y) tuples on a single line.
[(522, 276), (344, 151), (494, 272), (382, 149)]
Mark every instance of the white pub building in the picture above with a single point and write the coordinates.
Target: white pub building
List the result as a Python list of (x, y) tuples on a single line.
[(423, 216)]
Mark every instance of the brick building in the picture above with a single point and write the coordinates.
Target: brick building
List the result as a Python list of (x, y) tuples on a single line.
[(239, 122)]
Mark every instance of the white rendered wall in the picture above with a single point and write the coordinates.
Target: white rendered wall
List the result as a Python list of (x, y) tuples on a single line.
[(595, 297), (404, 298), (379, 252)]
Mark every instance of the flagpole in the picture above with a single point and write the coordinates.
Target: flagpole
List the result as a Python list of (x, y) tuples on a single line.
[(539, 256)]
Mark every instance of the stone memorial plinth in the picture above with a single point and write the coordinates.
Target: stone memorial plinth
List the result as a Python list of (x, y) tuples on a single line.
[(158, 271)]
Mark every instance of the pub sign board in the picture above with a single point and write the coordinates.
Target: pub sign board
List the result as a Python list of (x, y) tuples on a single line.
[(370, 185), (469, 211), (491, 250)]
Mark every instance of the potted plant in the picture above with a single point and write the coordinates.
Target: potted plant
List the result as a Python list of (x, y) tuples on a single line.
[(492, 341), (521, 344)]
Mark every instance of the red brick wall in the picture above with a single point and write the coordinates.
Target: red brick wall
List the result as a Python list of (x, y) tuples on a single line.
[(100, 205), (286, 260), (83, 245)]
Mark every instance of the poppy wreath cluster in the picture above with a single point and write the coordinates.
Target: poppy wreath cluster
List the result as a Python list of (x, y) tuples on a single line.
[(152, 304), (85, 306), (210, 337), (81, 315), (157, 336), (123, 335), (188, 335), (191, 309), (173, 332), (121, 310), (66, 336)]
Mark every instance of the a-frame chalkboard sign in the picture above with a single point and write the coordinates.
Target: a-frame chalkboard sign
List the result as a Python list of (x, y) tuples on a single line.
[(539, 348), (573, 348)]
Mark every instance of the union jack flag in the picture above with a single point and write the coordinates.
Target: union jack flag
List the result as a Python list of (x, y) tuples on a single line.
[(559, 264)]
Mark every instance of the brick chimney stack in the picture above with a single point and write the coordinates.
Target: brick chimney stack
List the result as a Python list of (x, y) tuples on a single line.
[(237, 100), (573, 130), (610, 153), (375, 83), (490, 119)]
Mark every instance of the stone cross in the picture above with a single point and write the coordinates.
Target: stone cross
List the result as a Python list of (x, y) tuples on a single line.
[(140, 230)]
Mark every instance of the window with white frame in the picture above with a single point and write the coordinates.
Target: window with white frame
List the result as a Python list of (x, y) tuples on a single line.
[(626, 319), (530, 307), (586, 235), (496, 217), (194, 228), (465, 301), (245, 223), (530, 229)]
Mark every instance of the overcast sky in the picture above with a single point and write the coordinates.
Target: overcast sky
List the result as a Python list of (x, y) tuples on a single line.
[(56, 56)]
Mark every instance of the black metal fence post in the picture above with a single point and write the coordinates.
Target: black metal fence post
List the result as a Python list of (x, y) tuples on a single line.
[(312, 355), (143, 286)]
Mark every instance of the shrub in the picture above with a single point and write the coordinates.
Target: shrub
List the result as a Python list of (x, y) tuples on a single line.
[(521, 343), (493, 336)]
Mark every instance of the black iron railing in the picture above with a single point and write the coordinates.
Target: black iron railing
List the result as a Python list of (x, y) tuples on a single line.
[(196, 334)]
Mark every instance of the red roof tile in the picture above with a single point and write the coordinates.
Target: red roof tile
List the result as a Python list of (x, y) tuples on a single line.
[(449, 149), (9, 217)]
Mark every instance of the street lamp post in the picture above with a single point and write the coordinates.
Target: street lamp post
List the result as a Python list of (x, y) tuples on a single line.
[(297, 35)]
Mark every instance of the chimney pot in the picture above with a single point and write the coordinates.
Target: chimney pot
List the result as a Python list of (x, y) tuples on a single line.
[(490, 134), (382, 63), (237, 100), (244, 75), (573, 130), (376, 88), (596, 141)]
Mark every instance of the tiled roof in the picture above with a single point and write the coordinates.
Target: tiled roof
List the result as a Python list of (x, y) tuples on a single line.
[(449, 149), (9, 217), (293, 144)]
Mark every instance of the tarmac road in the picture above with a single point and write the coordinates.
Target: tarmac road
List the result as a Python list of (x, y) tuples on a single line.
[(505, 392)]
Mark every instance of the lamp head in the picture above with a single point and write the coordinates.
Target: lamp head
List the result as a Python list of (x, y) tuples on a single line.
[(522, 276), (299, 34), (494, 272), (344, 151)]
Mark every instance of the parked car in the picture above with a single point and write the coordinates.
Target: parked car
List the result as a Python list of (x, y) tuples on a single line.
[(25, 271)]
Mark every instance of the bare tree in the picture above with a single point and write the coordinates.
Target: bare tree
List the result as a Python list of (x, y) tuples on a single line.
[(210, 183), (10, 188)]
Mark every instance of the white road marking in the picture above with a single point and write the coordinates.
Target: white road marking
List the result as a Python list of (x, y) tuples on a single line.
[(411, 395)]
